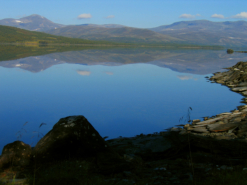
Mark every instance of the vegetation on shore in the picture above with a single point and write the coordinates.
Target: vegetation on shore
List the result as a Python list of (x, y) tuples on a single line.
[(230, 51), (13, 52), (241, 51), (16, 51)]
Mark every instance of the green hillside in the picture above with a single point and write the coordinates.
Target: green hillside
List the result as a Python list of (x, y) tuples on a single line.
[(16, 35), (18, 43)]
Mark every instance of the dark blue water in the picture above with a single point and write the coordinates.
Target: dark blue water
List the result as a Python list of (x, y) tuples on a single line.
[(119, 94)]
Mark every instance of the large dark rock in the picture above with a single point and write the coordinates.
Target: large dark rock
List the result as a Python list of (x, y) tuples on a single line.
[(71, 137), (15, 154)]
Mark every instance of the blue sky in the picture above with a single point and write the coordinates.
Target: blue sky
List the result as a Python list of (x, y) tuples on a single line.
[(134, 13)]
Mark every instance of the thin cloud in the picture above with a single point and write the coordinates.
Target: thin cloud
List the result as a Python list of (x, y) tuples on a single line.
[(110, 16), (83, 73), (189, 16), (242, 15), (84, 16), (219, 16)]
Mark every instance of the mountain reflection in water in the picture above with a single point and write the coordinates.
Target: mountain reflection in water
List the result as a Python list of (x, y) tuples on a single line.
[(122, 92), (186, 61)]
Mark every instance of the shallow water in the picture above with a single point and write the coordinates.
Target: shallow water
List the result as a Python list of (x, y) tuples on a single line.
[(122, 92)]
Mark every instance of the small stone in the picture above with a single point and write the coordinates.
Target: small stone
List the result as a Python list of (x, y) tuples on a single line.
[(236, 119), (225, 113), (174, 129), (231, 130), (195, 121), (210, 121), (200, 129), (189, 128), (221, 122), (187, 125), (239, 89), (182, 132), (244, 110), (221, 127), (242, 84), (225, 120)]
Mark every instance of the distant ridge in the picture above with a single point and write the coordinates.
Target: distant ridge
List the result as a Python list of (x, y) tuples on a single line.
[(115, 33), (198, 32), (103, 25), (228, 33), (33, 23)]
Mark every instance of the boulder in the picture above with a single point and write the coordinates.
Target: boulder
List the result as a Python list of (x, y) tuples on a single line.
[(222, 127), (200, 129), (209, 121), (16, 154), (71, 137), (240, 89)]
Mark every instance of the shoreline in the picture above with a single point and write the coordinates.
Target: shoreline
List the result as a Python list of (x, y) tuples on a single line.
[(185, 155), (225, 125)]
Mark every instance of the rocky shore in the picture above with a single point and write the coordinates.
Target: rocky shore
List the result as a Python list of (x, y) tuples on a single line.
[(227, 125), (182, 155)]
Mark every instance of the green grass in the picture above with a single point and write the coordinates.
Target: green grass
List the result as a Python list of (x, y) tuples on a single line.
[(16, 35), (81, 172)]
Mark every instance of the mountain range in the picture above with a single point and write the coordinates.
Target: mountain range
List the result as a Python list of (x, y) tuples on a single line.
[(207, 32), (199, 32), (116, 34)]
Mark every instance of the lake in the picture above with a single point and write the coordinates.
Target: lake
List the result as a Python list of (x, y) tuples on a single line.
[(122, 92)]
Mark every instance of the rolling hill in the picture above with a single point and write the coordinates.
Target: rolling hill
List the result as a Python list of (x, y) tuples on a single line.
[(113, 33), (16, 35), (207, 32)]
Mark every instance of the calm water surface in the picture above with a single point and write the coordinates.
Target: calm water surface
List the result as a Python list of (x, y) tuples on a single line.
[(122, 92)]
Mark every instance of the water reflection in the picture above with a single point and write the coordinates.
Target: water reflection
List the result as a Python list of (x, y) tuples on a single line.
[(118, 99), (186, 61)]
